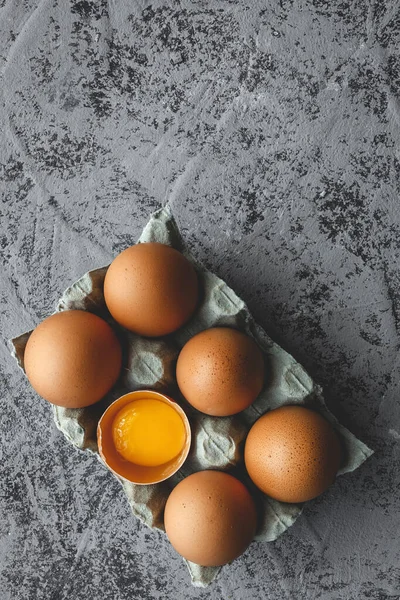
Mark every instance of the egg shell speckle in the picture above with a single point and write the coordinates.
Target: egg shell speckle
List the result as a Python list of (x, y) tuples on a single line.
[(292, 454)]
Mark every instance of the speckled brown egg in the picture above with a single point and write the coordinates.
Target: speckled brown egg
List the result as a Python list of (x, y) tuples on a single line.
[(292, 454), (73, 358), (151, 289), (220, 371), (210, 518)]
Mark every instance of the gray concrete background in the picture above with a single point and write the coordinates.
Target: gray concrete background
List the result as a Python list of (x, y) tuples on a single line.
[(272, 129)]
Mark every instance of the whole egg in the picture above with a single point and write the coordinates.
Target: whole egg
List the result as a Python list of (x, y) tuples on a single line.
[(73, 358)]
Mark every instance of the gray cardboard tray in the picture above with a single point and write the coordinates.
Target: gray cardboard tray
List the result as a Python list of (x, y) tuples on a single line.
[(217, 442)]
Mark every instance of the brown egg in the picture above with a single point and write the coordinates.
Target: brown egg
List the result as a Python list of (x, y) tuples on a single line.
[(210, 518), (220, 371), (73, 358), (292, 454), (151, 289)]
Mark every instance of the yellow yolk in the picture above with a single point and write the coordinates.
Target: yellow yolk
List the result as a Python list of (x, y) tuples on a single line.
[(148, 432)]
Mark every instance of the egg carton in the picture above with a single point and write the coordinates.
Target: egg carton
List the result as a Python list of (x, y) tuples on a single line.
[(217, 443)]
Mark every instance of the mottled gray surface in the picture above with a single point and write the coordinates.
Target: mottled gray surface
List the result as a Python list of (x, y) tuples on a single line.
[(272, 129)]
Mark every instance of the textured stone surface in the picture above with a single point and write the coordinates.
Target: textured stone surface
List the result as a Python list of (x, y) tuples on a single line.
[(272, 129)]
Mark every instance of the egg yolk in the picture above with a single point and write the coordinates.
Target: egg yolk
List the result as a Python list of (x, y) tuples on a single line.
[(148, 432)]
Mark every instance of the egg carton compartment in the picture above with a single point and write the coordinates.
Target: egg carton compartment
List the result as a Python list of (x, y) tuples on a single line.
[(150, 363)]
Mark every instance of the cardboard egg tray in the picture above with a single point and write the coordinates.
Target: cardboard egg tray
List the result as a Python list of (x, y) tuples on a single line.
[(217, 443)]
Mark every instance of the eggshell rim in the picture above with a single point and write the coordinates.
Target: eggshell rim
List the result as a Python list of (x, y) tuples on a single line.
[(168, 400)]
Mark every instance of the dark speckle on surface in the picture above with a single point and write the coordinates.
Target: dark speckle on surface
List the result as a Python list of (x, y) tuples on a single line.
[(272, 129)]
